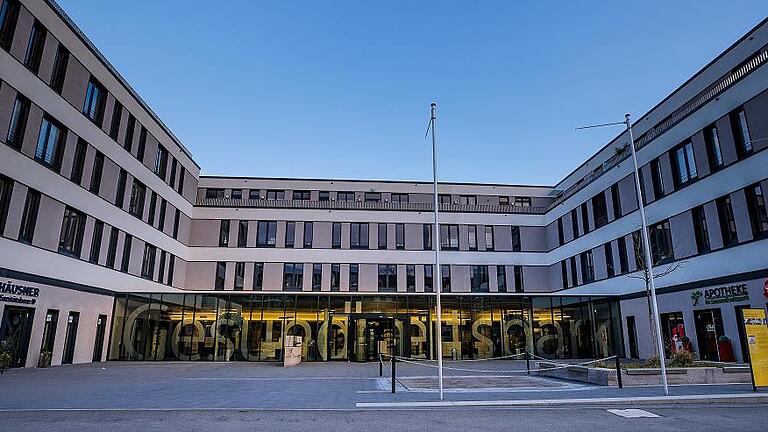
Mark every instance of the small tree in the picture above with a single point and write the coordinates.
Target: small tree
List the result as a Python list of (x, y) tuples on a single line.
[(6, 355)]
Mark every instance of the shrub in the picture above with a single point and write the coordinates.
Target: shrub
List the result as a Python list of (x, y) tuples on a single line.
[(45, 359), (652, 362), (682, 359), (6, 356)]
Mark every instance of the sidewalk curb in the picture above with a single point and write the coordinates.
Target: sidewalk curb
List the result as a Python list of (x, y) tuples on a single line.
[(640, 400)]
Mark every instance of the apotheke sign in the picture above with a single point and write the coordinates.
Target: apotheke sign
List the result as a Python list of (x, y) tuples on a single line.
[(14, 293), (726, 294)]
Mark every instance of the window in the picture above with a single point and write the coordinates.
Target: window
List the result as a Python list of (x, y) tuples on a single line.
[(176, 220), (112, 248), (599, 210), (616, 201), (564, 273), (445, 273), (301, 195), (336, 235), (171, 265), (610, 269), (637, 248), (575, 223), (410, 278), (519, 283), (587, 267), (242, 233), (308, 227), (727, 222), (428, 278), (478, 278), (516, 245), (9, 12), (387, 277), (224, 233), (657, 180), (399, 236), (129, 130), (472, 229), (700, 229), (93, 108), (59, 69), (758, 217), (18, 124), (290, 234), (253, 194), (523, 201), (449, 237), (50, 143), (427, 229), (172, 178), (489, 244), (372, 197), (98, 232), (72, 228), (148, 263), (335, 277), (239, 276), (117, 114), (323, 196), (126, 253), (382, 234), (501, 278), (221, 274), (317, 277), (161, 217), (623, 257), (161, 269), (345, 196), (138, 194), (354, 277), (34, 52), (275, 195), (574, 274), (98, 168), (122, 178), (358, 235), (29, 217), (684, 164), (78, 161), (584, 217), (560, 232), (504, 200), (444, 199), (293, 276), (161, 164), (258, 276), (714, 153), (266, 234), (467, 200), (401, 198), (214, 193), (180, 187), (236, 194), (740, 130)]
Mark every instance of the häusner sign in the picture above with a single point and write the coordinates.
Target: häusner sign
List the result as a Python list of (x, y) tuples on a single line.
[(13, 293), (725, 294)]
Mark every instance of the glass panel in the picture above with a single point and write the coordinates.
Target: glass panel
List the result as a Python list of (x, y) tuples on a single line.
[(272, 329)]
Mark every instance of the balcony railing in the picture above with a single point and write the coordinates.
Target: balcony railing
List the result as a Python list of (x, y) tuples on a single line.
[(368, 206)]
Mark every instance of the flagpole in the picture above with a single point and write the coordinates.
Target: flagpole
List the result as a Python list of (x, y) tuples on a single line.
[(437, 274)]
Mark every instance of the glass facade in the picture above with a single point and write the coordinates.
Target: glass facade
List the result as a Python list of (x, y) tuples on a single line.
[(250, 327)]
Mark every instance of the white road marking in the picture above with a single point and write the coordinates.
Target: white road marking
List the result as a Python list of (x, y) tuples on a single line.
[(633, 413)]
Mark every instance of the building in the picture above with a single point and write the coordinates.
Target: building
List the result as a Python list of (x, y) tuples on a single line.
[(114, 247)]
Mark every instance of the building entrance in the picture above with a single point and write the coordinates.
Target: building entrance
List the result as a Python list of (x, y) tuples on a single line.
[(709, 328), (374, 334), (16, 328)]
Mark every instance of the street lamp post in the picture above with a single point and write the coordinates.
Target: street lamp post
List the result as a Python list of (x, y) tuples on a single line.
[(437, 274)]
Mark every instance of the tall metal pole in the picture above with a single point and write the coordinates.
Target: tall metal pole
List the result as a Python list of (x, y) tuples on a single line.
[(437, 275), (648, 259)]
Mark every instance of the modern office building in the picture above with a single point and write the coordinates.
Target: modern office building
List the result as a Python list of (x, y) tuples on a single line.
[(113, 247)]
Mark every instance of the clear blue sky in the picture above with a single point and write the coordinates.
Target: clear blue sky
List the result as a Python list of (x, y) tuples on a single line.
[(342, 88)]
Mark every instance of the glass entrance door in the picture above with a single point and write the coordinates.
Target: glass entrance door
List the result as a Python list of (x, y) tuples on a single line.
[(709, 327), (375, 334), (16, 328)]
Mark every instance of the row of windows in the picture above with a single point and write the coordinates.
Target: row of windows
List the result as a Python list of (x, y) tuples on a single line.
[(266, 235), (684, 172), (662, 246), (387, 280), (72, 236)]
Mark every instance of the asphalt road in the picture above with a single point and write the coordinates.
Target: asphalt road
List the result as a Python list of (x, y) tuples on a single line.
[(689, 417)]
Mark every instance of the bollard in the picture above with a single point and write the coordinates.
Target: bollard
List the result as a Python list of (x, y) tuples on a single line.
[(381, 366), (528, 361), (618, 372), (393, 360)]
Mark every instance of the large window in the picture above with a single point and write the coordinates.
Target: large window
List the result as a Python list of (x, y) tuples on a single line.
[(290, 234), (117, 115), (358, 235), (126, 259), (623, 255), (354, 277), (266, 234), (214, 193), (345, 196), (142, 148), (50, 143), (98, 168), (59, 69), (148, 263), (478, 278), (468, 200), (34, 52), (400, 236), (472, 237), (129, 131), (258, 276), (221, 274), (657, 179), (335, 277), (122, 179), (161, 163), (382, 234), (516, 245), (138, 194), (684, 164), (293, 276), (727, 221), (387, 277), (372, 197), (445, 273), (616, 201), (401, 198), (428, 278), (501, 278), (599, 210), (758, 217), (239, 276), (317, 277), (449, 237), (740, 130), (9, 13), (98, 232), (610, 268), (714, 153), (336, 235), (575, 223), (584, 217), (72, 228), (489, 238), (276, 195), (587, 267), (301, 195), (29, 217), (112, 247), (410, 278), (427, 236), (95, 97), (224, 233), (242, 233), (560, 232), (444, 199), (78, 161), (519, 282), (18, 124), (308, 227), (700, 229)]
